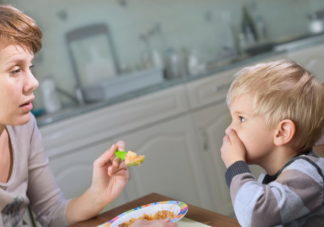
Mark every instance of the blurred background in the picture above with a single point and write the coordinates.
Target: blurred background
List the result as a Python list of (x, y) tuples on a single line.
[(144, 34), (155, 73)]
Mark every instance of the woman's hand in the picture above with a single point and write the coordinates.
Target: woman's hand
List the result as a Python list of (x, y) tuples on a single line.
[(232, 149), (162, 223), (110, 174)]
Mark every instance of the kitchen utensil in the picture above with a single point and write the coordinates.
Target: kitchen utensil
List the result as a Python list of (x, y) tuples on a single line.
[(120, 154)]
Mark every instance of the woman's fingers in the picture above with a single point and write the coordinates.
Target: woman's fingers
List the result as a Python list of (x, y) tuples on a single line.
[(120, 145), (116, 161), (106, 157), (112, 170)]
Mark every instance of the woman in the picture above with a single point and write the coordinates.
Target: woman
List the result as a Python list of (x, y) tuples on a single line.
[(25, 177)]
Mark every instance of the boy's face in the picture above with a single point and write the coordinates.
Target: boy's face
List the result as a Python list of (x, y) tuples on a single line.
[(17, 84), (256, 137)]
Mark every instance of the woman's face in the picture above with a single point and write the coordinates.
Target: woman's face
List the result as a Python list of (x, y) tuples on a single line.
[(17, 84)]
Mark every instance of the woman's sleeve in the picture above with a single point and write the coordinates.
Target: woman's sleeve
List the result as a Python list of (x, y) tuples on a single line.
[(294, 194), (46, 198)]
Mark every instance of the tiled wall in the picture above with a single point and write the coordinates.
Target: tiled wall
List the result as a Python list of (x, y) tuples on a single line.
[(193, 24)]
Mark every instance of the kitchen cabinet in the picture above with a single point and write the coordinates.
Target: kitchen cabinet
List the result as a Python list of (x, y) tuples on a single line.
[(311, 58), (72, 145), (210, 129), (210, 89), (70, 134), (173, 166)]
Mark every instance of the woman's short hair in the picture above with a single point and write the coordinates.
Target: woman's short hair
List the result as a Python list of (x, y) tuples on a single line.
[(284, 90), (19, 29)]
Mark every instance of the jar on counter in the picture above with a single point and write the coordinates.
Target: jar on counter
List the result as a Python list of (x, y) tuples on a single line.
[(51, 99)]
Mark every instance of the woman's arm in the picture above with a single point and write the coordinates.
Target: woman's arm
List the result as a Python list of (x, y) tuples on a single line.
[(47, 200), (110, 177)]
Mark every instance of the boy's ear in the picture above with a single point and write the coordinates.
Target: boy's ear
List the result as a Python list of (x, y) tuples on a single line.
[(284, 132)]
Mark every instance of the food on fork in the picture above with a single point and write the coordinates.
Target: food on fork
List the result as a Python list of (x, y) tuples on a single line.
[(132, 159)]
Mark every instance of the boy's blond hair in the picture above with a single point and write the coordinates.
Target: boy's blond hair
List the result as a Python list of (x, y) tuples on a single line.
[(283, 90)]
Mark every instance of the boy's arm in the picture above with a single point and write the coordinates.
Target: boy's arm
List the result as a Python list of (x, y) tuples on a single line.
[(293, 195)]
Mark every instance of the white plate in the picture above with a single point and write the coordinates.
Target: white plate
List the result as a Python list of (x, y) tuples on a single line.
[(179, 208)]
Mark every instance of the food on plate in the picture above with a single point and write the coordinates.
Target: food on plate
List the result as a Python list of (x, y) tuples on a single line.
[(132, 159), (160, 215)]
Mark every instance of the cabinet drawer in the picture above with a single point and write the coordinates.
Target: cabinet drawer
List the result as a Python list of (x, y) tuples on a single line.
[(85, 129), (210, 89), (214, 88)]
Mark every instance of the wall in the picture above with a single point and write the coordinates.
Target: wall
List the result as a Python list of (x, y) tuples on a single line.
[(193, 24)]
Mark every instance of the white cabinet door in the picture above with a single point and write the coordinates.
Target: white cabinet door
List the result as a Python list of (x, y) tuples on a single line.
[(73, 172), (173, 167), (210, 129), (312, 59)]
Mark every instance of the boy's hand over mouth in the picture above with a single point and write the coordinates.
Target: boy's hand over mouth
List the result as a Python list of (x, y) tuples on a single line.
[(233, 149)]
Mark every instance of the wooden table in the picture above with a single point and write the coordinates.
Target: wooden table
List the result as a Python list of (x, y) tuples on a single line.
[(195, 213)]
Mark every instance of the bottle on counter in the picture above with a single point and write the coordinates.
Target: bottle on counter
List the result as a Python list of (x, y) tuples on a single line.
[(248, 27), (261, 28), (242, 43), (51, 98), (172, 64)]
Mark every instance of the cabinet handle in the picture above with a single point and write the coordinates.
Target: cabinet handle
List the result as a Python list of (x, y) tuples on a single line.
[(220, 87), (204, 137)]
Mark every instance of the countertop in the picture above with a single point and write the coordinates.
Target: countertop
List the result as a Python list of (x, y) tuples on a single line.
[(280, 48)]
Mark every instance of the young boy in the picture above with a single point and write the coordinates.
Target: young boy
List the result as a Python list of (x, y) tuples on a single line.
[(277, 112)]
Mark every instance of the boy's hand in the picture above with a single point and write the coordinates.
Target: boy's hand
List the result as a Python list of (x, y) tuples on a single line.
[(233, 149)]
